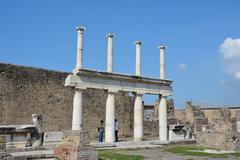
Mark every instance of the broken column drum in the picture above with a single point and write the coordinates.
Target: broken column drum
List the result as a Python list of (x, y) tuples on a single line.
[(83, 79)]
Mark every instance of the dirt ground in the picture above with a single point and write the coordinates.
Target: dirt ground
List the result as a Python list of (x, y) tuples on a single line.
[(160, 154)]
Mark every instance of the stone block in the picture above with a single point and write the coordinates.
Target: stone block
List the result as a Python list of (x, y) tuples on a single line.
[(76, 147), (79, 138), (52, 138), (176, 132), (2, 141), (238, 126), (5, 156), (69, 152)]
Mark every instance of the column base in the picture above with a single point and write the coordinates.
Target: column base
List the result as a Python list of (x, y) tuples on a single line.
[(138, 139), (164, 142)]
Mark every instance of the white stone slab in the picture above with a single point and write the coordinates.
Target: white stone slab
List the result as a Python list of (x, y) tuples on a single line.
[(238, 127), (118, 82), (53, 137)]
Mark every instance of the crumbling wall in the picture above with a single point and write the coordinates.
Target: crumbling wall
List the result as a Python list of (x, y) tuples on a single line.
[(26, 90), (211, 113), (180, 115), (151, 128), (235, 112), (193, 117), (222, 133), (212, 127)]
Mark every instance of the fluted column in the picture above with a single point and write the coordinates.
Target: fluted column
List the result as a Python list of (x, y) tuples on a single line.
[(110, 118), (110, 53), (79, 63), (162, 61), (77, 117), (138, 58), (163, 119), (138, 118)]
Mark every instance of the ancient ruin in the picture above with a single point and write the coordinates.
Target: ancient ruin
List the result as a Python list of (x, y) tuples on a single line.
[(208, 125), (114, 82), (66, 108)]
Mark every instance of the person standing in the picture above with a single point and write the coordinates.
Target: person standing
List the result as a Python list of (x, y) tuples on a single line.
[(116, 126), (100, 131)]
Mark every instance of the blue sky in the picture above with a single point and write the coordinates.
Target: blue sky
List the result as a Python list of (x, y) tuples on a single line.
[(199, 36)]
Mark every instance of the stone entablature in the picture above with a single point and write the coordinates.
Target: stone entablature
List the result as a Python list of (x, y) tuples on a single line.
[(86, 79)]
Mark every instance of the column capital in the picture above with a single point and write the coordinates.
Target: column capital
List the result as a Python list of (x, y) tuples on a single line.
[(80, 89), (162, 47), (138, 93), (80, 28), (110, 35), (138, 42), (112, 91), (162, 96)]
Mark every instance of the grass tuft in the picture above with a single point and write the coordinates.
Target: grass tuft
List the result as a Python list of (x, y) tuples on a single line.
[(112, 155), (183, 150)]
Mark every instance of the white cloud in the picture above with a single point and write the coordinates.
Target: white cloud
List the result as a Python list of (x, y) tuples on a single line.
[(237, 75), (230, 48), (182, 66), (230, 53)]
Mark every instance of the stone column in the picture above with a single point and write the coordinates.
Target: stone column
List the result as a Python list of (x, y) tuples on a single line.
[(138, 118), (162, 119), (162, 62), (110, 118), (77, 121), (138, 58), (110, 53), (80, 31)]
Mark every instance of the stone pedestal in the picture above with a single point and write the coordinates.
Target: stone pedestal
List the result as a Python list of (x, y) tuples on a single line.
[(75, 147), (176, 132)]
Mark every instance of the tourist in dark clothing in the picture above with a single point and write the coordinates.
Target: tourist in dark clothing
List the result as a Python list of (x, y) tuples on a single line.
[(116, 127), (100, 131)]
